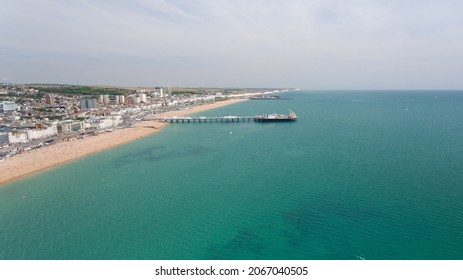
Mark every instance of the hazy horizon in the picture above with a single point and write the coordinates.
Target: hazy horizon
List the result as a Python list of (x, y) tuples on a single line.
[(319, 45), (237, 87)]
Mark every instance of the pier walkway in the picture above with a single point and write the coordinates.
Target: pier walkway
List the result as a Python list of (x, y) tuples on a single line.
[(204, 119), (229, 119)]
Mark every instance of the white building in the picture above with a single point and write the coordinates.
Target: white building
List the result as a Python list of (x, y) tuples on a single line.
[(159, 92), (69, 126), (142, 97), (17, 137), (120, 99), (104, 99), (7, 106), (104, 123), (172, 103), (41, 133)]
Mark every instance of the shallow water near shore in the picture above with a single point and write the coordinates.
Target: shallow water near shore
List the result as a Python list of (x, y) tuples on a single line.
[(361, 174)]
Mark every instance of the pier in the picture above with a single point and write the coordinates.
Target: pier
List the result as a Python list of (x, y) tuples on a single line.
[(230, 119), (204, 119)]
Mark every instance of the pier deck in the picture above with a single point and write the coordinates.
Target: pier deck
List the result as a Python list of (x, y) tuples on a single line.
[(229, 119), (204, 119)]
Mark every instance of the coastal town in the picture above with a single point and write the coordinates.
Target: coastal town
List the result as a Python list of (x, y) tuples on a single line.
[(34, 116)]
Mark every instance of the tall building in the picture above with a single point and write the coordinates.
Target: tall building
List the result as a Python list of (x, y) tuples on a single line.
[(87, 104), (113, 99), (142, 97), (49, 99), (159, 91), (121, 99), (104, 99)]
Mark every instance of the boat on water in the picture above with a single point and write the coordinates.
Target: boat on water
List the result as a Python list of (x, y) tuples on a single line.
[(276, 117)]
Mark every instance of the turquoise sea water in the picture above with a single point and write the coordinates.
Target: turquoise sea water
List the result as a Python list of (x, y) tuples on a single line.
[(361, 174)]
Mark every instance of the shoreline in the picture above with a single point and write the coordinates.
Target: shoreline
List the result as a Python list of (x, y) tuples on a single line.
[(37, 160)]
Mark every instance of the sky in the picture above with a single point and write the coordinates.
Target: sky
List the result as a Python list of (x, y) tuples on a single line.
[(308, 44)]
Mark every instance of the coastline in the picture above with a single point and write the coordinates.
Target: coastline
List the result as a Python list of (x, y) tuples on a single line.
[(36, 160)]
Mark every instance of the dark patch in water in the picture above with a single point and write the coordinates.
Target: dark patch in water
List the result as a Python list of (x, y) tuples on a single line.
[(355, 211), (323, 225), (158, 153), (246, 244), (305, 220)]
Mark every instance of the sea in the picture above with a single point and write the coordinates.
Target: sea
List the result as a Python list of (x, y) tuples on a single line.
[(360, 175)]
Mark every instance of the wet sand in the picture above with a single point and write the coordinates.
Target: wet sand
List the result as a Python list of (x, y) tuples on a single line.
[(39, 159)]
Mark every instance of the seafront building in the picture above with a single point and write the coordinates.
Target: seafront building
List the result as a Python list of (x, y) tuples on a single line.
[(17, 137), (70, 126), (25, 135), (33, 134)]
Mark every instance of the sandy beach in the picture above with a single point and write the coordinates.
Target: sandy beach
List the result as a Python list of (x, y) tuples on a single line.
[(39, 159)]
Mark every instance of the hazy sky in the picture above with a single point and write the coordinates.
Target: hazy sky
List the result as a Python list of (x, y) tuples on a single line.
[(310, 44)]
